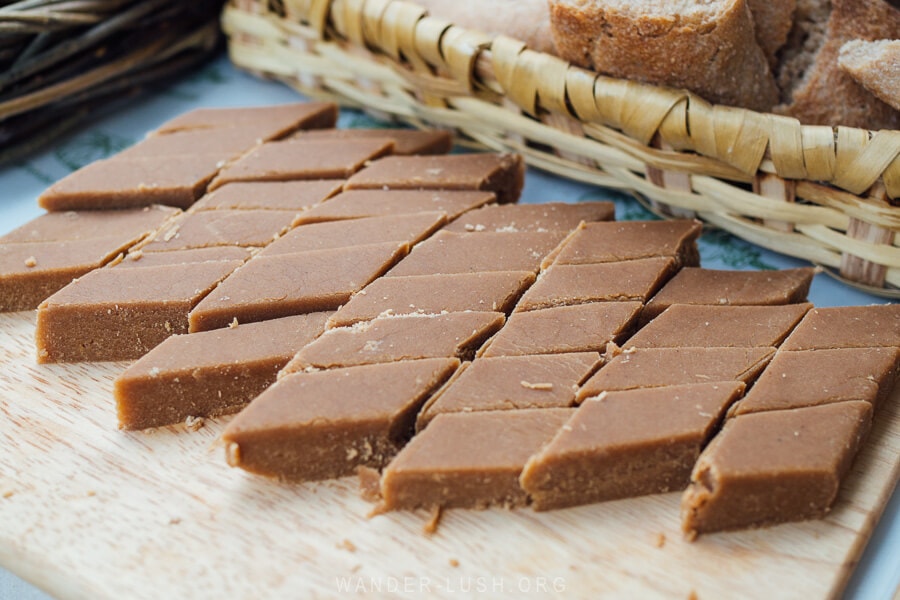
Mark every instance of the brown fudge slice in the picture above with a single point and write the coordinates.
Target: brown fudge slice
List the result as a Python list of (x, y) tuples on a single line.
[(268, 287), (132, 223), (629, 240), (409, 337), (549, 216), (503, 174), (694, 285), (137, 258), (120, 314), (657, 367), (495, 291), (512, 382), (211, 228), (699, 326), (450, 252), (32, 271), (326, 424), (812, 377), (408, 229), (773, 467), (44, 255), (847, 327), (119, 183), (406, 141), (469, 460), (565, 285), (269, 195), (625, 444), (209, 374), (579, 328), (277, 120), (226, 143), (297, 159), (358, 204)]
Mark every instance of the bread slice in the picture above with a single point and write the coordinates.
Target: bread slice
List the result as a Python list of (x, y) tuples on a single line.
[(525, 20), (816, 90), (773, 20), (875, 66), (706, 46)]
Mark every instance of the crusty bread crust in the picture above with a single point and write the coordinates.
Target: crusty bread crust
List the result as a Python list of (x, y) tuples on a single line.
[(875, 66), (829, 96), (712, 52)]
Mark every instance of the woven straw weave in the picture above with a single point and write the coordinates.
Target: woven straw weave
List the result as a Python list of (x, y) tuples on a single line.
[(818, 193)]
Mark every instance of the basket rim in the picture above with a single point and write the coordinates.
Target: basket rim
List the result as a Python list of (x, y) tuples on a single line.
[(743, 140)]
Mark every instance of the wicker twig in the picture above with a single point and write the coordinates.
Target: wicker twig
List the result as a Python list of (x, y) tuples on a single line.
[(61, 60), (819, 193)]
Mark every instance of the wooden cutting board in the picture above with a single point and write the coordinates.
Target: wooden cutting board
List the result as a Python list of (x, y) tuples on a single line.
[(87, 511)]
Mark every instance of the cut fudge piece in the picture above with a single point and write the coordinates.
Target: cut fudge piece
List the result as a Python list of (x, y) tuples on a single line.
[(565, 285), (269, 195), (268, 287), (297, 159), (120, 314), (847, 327), (624, 444), (326, 424), (408, 229), (451, 252), (220, 228), (579, 328), (656, 367), (812, 377), (209, 374), (358, 204), (699, 326), (32, 271), (406, 141), (694, 285), (132, 223), (137, 258), (469, 460), (503, 174), (549, 216), (225, 143), (118, 183), (629, 240), (773, 467), (512, 382), (276, 120), (407, 337), (495, 291), (44, 255)]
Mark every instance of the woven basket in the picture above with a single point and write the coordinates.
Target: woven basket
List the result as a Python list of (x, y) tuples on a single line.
[(818, 193), (63, 60)]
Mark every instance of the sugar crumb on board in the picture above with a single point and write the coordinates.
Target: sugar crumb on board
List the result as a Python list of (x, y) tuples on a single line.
[(431, 526), (660, 540), (454, 563), (347, 545), (194, 423)]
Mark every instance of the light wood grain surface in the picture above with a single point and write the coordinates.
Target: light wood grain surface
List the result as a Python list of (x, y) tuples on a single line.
[(87, 511)]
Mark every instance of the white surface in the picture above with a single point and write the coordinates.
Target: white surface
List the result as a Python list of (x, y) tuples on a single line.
[(877, 576)]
